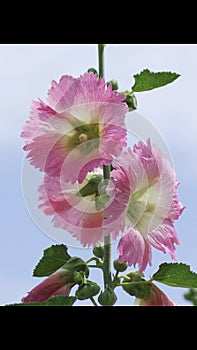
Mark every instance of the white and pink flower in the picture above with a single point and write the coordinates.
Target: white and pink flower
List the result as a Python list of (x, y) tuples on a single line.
[(82, 126), (146, 173)]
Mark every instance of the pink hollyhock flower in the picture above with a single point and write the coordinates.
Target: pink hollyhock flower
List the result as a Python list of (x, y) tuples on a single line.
[(79, 215), (56, 284), (83, 122), (156, 298), (146, 174)]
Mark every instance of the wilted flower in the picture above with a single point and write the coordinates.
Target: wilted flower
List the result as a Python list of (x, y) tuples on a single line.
[(58, 283)]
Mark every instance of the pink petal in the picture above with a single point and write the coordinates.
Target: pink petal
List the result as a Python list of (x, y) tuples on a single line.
[(60, 90), (156, 298), (152, 205), (40, 112), (164, 238), (134, 249)]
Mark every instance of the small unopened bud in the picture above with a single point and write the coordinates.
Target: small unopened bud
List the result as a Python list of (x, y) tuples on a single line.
[(108, 297), (114, 84), (131, 101), (87, 290), (120, 267), (93, 70), (98, 250)]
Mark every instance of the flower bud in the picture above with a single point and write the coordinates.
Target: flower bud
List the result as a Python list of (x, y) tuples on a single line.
[(87, 290), (108, 297), (114, 84), (120, 267), (98, 250), (131, 101), (93, 70), (76, 264), (91, 187)]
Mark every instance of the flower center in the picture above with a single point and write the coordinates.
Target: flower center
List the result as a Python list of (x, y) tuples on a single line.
[(141, 209), (83, 137), (87, 136)]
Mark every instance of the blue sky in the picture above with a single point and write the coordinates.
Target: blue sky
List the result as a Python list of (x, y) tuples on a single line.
[(26, 72)]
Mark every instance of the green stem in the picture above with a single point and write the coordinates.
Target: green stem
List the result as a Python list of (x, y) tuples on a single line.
[(93, 301), (91, 259), (107, 261), (101, 59), (133, 283), (117, 273), (106, 175), (106, 172)]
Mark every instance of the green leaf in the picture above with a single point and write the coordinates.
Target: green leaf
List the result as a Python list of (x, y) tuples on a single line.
[(53, 258), (147, 80), (176, 275), (59, 300)]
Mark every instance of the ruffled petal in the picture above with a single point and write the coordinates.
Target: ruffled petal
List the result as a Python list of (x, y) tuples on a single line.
[(152, 204), (61, 90), (84, 121), (164, 238), (134, 249)]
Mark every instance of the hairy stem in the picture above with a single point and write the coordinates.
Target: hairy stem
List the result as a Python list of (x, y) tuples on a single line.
[(106, 175)]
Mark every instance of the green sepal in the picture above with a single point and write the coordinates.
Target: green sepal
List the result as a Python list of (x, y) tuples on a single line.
[(131, 100), (79, 277), (76, 264), (136, 285), (114, 84), (92, 70), (91, 187)]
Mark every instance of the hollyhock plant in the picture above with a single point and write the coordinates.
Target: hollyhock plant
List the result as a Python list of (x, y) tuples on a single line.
[(153, 205), (57, 283), (156, 298), (97, 190), (84, 121)]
